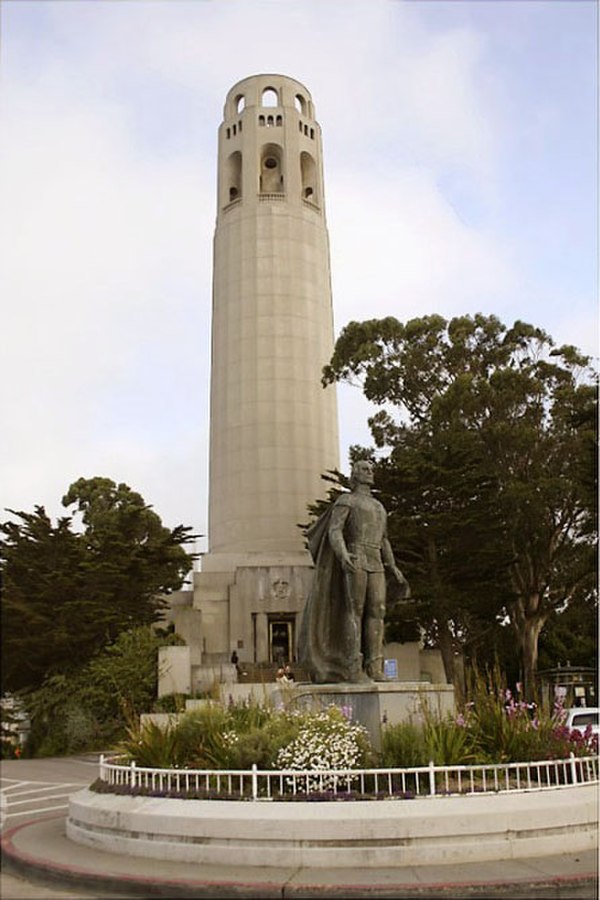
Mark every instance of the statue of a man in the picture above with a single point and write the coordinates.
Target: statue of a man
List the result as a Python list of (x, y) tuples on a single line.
[(341, 637)]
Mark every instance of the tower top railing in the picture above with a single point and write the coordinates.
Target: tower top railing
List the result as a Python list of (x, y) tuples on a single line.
[(272, 196)]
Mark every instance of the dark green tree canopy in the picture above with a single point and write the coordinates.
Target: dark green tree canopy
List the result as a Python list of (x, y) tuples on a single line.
[(66, 593), (492, 441)]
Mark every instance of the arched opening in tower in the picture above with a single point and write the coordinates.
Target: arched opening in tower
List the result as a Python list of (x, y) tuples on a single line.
[(308, 170), (269, 97), (271, 174), (234, 177)]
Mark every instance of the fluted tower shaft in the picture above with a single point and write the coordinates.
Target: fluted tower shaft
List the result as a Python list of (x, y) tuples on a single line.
[(273, 426)]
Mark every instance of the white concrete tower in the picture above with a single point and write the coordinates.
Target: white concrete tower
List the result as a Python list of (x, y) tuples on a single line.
[(273, 428)]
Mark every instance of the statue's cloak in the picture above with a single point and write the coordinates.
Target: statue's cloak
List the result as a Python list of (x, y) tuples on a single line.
[(325, 643)]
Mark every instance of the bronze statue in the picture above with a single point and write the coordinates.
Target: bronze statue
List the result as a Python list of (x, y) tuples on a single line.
[(341, 638)]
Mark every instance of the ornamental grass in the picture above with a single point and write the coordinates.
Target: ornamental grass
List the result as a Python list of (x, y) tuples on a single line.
[(495, 726)]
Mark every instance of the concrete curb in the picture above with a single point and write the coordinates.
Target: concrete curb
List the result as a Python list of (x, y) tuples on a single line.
[(46, 870), (37, 862)]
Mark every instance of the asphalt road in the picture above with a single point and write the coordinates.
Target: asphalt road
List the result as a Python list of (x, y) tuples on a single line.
[(33, 789)]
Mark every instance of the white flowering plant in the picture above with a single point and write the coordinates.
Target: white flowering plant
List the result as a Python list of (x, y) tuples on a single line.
[(326, 741)]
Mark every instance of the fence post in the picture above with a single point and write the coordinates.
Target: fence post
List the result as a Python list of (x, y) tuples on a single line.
[(431, 778), (132, 768), (254, 781), (102, 766), (573, 768)]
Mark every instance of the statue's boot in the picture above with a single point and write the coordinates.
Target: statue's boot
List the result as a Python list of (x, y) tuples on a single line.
[(357, 673), (374, 648), (375, 669)]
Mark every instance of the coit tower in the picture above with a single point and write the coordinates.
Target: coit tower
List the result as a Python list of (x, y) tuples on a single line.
[(273, 428)]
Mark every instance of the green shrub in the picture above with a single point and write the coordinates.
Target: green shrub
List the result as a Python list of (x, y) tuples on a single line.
[(10, 749), (242, 735), (403, 746), (505, 728), (171, 703), (254, 747), (210, 737), (247, 715), (80, 729), (202, 735), (500, 732), (448, 742), (494, 727), (154, 746), (90, 709)]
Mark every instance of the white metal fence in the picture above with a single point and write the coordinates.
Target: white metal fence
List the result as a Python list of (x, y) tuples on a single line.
[(419, 781)]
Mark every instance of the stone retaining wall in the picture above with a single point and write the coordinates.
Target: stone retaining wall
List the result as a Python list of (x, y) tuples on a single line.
[(344, 834)]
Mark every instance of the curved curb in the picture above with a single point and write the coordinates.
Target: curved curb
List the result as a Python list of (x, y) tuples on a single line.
[(561, 887), (28, 864), (354, 837)]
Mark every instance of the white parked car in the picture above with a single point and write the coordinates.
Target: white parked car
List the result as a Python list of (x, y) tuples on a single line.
[(580, 717)]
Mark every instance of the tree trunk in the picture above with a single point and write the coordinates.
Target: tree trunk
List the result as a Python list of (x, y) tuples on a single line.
[(454, 673), (530, 632), (446, 641)]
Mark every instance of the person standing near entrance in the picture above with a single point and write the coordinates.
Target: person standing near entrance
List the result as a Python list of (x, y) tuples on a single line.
[(342, 630), (289, 674)]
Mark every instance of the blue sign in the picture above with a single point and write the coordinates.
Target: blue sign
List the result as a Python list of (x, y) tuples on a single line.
[(390, 669)]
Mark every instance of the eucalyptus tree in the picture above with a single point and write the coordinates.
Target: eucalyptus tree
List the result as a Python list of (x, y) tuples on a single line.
[(520, 413)]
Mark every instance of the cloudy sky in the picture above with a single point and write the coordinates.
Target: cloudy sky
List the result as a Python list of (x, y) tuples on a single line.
[(460, 151)]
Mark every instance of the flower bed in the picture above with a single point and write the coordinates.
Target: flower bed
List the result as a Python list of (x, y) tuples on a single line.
[(343, 784), (498, 743)]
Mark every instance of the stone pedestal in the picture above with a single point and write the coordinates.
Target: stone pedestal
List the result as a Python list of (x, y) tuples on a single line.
[(369, 704), (377, 703)]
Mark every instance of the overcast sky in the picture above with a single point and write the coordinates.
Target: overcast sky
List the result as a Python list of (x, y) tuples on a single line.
[(460, 145)]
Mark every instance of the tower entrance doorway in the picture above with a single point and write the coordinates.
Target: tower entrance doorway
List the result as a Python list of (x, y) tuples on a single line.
[(281, 639)]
